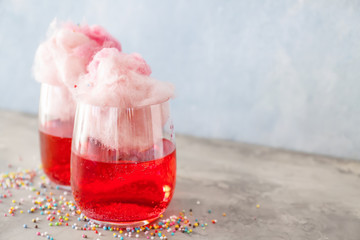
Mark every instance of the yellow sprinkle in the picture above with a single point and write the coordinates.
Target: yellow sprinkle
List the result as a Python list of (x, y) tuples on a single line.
[(13, 201), (21, 211), (120, 231), (257, 205)]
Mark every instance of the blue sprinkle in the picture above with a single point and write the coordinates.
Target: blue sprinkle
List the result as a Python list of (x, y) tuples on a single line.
[(42, 213), (25, 226), (57, 187), (172, 234), (105, 228), (51, 238), (48, 237), (159, 234), (79, 219), (122, 238)]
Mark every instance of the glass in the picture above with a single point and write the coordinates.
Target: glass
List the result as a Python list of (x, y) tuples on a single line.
[(123, 163), (56, 121)]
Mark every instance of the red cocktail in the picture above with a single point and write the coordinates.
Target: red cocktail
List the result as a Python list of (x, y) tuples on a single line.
[(123, 163), (55, 148), (124, 190)]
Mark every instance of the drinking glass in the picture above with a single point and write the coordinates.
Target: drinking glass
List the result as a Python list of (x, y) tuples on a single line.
[(56, 121), (123, 163)]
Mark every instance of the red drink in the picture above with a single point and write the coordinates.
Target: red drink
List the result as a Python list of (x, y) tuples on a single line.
[(118, 188), (56, 151)]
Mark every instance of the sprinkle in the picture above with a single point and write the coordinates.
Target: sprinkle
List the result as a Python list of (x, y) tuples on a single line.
[(198, 202), (257, 205), (25, 226), (209, 211), (84, 236), (224, 214)]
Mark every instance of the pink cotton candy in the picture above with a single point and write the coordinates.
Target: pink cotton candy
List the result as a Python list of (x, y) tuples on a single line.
[(117, 79), (65, 55)]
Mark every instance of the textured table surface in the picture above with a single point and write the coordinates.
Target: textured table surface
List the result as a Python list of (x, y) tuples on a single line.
[(299, 196)]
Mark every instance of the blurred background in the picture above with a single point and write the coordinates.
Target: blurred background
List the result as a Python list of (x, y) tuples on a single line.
[(279, 73)]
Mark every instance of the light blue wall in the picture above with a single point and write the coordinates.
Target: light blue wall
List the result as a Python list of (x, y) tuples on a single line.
[(279, 73)]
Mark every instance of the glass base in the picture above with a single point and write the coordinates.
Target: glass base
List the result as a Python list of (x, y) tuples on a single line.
[(125, 224)]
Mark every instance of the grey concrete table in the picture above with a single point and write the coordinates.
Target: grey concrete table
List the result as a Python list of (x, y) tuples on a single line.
[(299, 196)]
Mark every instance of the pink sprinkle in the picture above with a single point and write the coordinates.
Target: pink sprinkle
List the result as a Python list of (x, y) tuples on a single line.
[(38, 233)]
